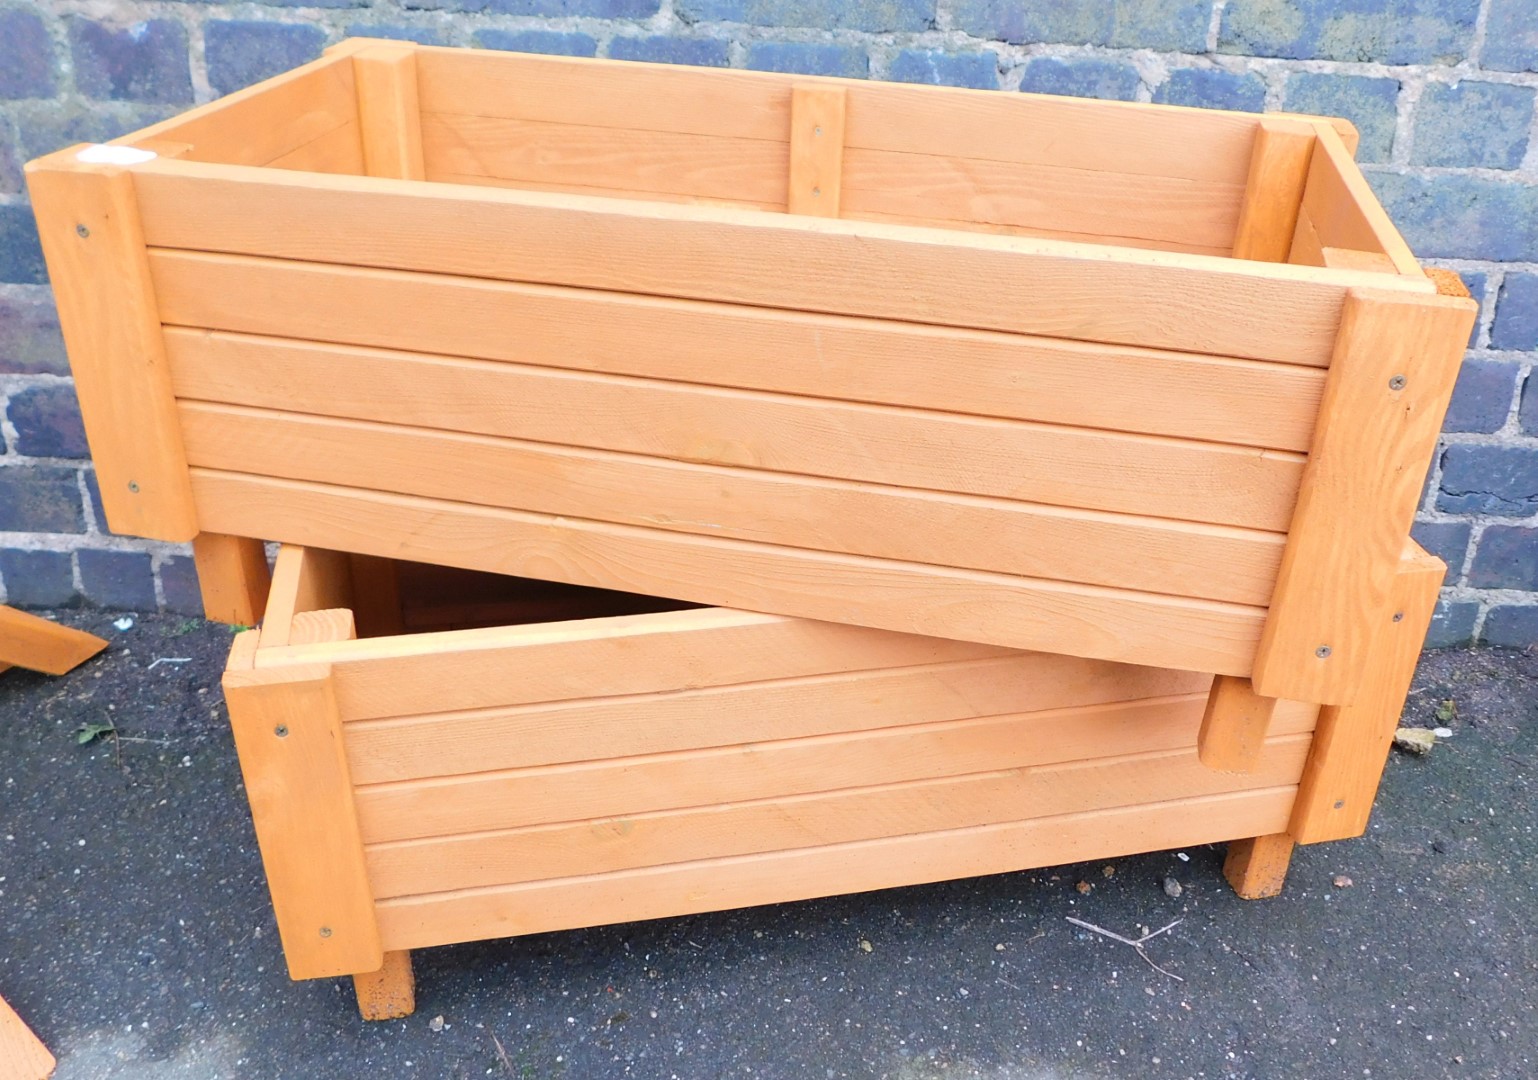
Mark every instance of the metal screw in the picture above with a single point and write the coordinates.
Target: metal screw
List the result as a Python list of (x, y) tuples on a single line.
[(1397, 382), (1399, 616), (1340, 804), (281, 731), (817, 131), (816, 191), (82, 232), (133, 486), (325, 931), (1323, 652)]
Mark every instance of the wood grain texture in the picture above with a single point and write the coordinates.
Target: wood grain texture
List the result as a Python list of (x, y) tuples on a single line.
[(1388, 389), (389, 993), (1181, 245), (1256, 867), (88, 222), (233, 578), (717, 884), (303, 579), (389, 118), (1234, 725), (1274, 193), (1022, 613), (816, 150), (1343, 210), (22, 1054), (38, 644)]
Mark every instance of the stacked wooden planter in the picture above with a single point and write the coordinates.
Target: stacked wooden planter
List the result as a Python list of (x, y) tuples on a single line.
[(1026, 479)]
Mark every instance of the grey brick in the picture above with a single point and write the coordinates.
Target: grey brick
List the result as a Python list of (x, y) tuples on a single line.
[(809, 59), (1472, 124), (1385, 31), (11, 179), (980, 71), (40, 498), (118, 579), (179, 584), (1091, 77), (146, 61), (1514, 626), (27, 61), (1372, 104), (549, 42), (21, 258), (1507, 558), (29, 337), (1456, 216), (44, 128), (47, 422), (1178, 25), (93, 493), (422, 35), (1527, 413), (1497, 480), (876, 16), (1452, 623), (1511, 36), (1475, 281), (1516, 313), (1213, 88), (699, 52), (1447, 540), (37, 578), (240, 52), (1482, 397)]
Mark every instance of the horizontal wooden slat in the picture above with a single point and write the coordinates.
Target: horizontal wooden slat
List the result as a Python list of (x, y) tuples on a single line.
[(977, 372), (1045, 234), (1022, 613), (775, 769), (1174, 558), (891, 445), (740, 881), (780, 823), (943, 277), (448, 744)]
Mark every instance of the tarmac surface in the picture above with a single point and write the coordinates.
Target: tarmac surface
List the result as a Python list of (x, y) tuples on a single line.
[(137, 939)]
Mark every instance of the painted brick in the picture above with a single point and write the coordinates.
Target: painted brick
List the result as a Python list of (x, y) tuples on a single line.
[(1482, 397), (27, 61), (11, 180), (1178, 25), (1091, 77), (42, 129), (700, 52), (93, 493), (118, 579), (1497, 480), (809, 59), (1511, 625), (40, 498), (1382, 31), (1452, 624), (1516, 313), (179, 585), (37, 578), (240, 52), (146, 61), (21, 259), (1507, 558), (1213, 88), (29, 337), (1472, 124), (1527, 414), (1447, 540), (1476, 282), (1511, 36), (980, 71), (422, 35), (1372, 104), (876, 16), (549, 42), (1458, 216), (47, 422)]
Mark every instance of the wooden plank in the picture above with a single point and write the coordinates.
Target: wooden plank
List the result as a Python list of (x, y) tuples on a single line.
[(1372, 261), (1256, 867), (775, 769), (996, 609), (389, 993), (1234, 725), (329, 625), (289, 739), (37, 644), (1218, 399), (1306, 248), (1352, 743), (1345, 212), (548, 733), (778, 822), (337, 151), (233, 578), (816, 150), (740, 881), (389, 117), (1085, 292), (1388, 388), (22, 1054), (1221, 251), (303, 579), (1274, 192), (89, 225)]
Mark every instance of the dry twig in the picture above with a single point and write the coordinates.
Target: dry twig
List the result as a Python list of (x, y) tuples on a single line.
[(1137, 945)]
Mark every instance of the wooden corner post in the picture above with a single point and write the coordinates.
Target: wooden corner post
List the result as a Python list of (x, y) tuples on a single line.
[(389, 115), (1273, 195), (233, 578), (88, 222)]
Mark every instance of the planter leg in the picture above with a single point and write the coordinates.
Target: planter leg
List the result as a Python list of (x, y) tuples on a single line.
[(390, 992), (233, 578), (1257, 867)]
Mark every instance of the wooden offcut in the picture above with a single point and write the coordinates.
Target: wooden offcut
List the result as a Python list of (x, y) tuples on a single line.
[(22, 1054), (32, 642)]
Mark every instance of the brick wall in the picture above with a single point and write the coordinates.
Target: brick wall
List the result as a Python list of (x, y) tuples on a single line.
[(1442, 90)]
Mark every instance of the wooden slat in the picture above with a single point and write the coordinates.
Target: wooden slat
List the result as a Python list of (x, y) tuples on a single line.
[(1274, 193), (1028, 378), (303, 579), (780, 823), (1234, 725), (740, 881), (37, 644), (1345, 258), (1222, 251), (1388, 388), (233, 578), (449, 744), (312, 627), (289, 739), (1087, 292), (1022, 613), (337, 151), (389, 118), (88, 222), (1343, 209), (22, 1054), (816, 149), (1306, 250)]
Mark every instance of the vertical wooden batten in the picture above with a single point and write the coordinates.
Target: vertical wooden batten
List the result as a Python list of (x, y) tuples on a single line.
[(1273, 195), (1234, 725), (233, 578), (1257, 867), (389, 115), (816, 150)]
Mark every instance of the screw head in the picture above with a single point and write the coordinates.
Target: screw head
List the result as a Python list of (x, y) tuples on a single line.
[(325, 931), (1397, 382), (817, 130), (816, 192), (1340, 804), (1323, 652), (281, 731), (133, 486), (82, 232), (1399, 616)]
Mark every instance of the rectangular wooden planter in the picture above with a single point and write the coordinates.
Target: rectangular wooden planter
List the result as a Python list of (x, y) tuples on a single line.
[(601, 760)]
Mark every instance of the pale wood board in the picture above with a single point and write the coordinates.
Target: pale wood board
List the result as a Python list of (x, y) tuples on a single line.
[(303, 579), (22, 1054), (334, 152), (1343, 210), (233, 578), (816, 169), (1274, 194), (1256, 866), (1234, 725), (1135, 242), (389, 118), (39, 644)]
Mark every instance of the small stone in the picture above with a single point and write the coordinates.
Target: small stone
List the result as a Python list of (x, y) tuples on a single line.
[(1172, 888), (999, 947), (1109, 871), (1415, 740), (1182, 856), (1085, 887), (125, 623), (866, 946), (1343, 882), (1442, 732), (436, 1024)]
